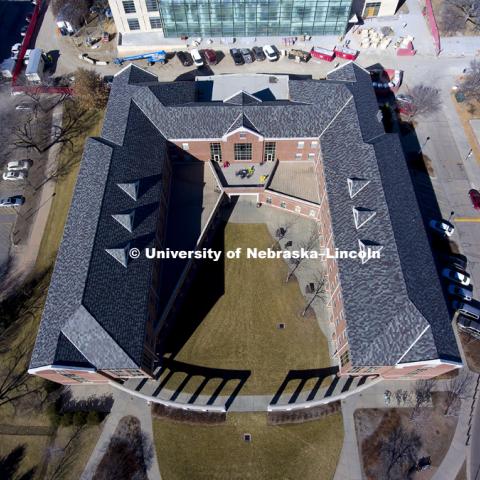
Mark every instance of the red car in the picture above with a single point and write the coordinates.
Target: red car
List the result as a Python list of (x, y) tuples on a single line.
[(211, 56), (475, 198)]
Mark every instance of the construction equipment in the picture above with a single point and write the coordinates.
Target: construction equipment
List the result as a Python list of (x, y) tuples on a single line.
[(152, 57)]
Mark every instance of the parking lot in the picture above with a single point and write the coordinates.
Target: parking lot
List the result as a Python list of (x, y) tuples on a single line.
[(12, 15)]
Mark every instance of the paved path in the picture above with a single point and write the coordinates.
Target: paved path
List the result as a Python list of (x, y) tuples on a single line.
[(124, 404)]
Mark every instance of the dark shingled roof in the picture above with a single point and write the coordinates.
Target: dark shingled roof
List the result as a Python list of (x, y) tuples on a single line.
[(394, 305)]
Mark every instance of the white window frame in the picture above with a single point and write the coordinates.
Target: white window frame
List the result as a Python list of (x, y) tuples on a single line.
[(300, 144), (186, 147)]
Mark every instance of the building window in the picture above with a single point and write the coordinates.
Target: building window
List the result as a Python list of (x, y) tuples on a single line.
[(77, 378), (283, 205), (314, 144), (269, 200), (216, 152), (418, 370), (344, 358), (371, 369), (312, 213), (155, 22), (311, 156), (129, 6), (133, 24), (242, 151), (152, 5), (372, 9), (298, 156), (298, 209), (243, 135), (185, 146), (269, 151), (300, 144)]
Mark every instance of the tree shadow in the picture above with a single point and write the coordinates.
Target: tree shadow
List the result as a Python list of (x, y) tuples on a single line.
[(10, 463), (102, 403)]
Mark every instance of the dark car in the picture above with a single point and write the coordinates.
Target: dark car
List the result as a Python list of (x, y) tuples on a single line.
[(210, 55), (258, 53), (185, 58), (247, 55), (457, 261), (12, 201), (475, 198), (237, 56)]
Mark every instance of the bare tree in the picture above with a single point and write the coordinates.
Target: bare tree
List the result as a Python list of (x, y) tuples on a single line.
[(31, 135), (458, 388), (309, 244), (319, 292), (471, 82), (73, 11), (398, 453), (14, 378), (61, 466), (282, 231), (422, 396), (425, 100), (90, 89), (456, 15)]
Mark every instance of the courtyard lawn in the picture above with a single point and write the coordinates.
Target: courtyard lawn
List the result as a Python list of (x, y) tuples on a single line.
[(230, 321), (305, 451)]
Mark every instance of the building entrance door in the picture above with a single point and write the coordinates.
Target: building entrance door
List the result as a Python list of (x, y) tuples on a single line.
[(269, 157), (216, 158), (371, 9)]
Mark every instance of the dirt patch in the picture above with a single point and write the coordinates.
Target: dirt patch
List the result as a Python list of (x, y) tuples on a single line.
[(438, 6), (305, 415), (471, 349), (383, 433), (185, 416)]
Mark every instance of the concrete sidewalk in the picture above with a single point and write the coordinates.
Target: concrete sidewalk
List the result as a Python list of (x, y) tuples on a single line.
[(124, 404)]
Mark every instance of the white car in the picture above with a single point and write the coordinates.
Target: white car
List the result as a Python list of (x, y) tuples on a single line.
[(457, 277), (18, 165), (443, 227), (197, 58), (12, 201), (270, 53), (14, 175), (463, 293)]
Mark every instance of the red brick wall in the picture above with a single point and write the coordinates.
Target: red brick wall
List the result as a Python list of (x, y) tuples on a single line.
[(291, 205), (285, 150), (56, 376)]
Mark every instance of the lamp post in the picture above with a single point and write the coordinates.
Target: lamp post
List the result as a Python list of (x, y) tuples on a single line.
[(423, 145), (452, 214)]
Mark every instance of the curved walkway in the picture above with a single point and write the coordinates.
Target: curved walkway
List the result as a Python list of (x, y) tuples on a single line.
[(154, 391)]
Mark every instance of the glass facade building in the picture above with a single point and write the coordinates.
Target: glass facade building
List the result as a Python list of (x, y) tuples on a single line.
[(253, 18)]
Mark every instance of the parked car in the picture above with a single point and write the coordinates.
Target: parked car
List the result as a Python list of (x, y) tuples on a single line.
[(23, 31), (463, 293), (237, 56), (258, 53), (197, 58), (469, 325), (14, 176), (457, 277), (457, 261), (23, 106), (270, 53), (185, 58), (210, 55), (246, 55), (466, 309), (29, 17), (18, 165), (475, 198), (443, 227), (12, 201)]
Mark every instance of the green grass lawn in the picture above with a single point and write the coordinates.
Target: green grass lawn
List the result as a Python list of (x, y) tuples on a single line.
[(238, 325), (302, 451)]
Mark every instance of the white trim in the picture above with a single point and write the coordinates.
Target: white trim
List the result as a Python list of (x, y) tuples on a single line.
[(241, 129), (134, 65), (344, 65), (294, 199), (335, 117), (429, 363), (241, 91), (33, 371)]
